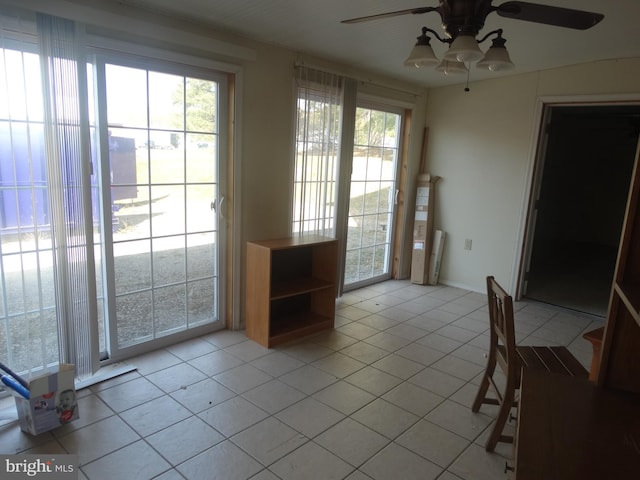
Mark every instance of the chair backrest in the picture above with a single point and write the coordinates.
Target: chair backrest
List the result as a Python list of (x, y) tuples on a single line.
[(503, 337)]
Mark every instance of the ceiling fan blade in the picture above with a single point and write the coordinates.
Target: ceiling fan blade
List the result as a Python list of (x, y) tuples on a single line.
[(413, 11), (560, 17)]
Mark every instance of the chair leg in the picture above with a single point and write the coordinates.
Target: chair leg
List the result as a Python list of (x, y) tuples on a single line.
[(501, 419), (484, 385)]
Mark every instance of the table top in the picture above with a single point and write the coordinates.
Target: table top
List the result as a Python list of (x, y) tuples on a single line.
[(568, 428)]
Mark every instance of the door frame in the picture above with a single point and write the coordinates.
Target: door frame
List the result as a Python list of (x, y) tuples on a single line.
[(228, 256), (534, 171), (346, 167)]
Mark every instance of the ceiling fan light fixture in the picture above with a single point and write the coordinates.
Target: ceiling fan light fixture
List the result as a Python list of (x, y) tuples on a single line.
[(464, 49), (449, 67), (463, 20), (422, 54), (496, 60), (497, 57)]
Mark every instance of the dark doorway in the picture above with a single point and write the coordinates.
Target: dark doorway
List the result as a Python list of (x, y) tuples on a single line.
[(581, 203)]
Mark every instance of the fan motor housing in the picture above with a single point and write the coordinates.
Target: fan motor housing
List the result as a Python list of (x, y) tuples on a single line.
[(464, 15)]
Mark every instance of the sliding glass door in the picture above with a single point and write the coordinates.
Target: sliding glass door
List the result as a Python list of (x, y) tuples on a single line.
[(158, 150), (162, 252), (372, 198)]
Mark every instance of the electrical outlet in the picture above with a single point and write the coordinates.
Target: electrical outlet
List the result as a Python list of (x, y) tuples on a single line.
[(467, 244)]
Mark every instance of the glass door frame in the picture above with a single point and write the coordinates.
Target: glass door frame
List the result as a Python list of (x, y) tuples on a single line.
[(113, 351), (346, 168)]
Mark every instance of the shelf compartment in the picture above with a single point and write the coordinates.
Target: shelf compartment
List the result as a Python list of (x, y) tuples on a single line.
[(291, 327), (290, 288)]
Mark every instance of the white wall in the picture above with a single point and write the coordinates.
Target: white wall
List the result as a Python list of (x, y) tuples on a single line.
[(267, 135), (482, 144)]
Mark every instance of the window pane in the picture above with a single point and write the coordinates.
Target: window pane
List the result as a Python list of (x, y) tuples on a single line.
[(202, 151), (166, 157), (168, 260), (166, 102), (134, 318), (167, 210), (201, 105), (132, 262), (170, 309), (129, 106), (201, 208)]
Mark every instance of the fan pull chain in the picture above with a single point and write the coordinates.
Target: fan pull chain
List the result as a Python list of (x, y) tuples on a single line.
[(466, 88)]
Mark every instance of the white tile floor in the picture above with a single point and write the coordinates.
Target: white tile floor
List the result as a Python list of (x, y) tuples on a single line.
[(386, 395)]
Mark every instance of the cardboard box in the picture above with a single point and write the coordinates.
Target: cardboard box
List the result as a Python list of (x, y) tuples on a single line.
[(52, 401), (422, 228)]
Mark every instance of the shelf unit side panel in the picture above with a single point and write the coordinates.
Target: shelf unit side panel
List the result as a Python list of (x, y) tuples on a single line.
[(619, 365), (622, 367), (325, 261), (325, 267), (323, 302), (628, 264), (258, 292)]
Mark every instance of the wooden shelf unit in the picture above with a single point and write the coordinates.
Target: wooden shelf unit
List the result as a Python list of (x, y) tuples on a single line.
[(620, 356), (291, 288)]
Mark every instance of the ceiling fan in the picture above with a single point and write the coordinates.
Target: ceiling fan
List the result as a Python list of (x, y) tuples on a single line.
[(462, 20), (456, 14)]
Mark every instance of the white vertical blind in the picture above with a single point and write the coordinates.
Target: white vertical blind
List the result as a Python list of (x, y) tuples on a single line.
[(67, 150), (317, 151), (28, 336)]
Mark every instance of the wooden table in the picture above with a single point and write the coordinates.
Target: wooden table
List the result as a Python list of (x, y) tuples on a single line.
[(570, 429)]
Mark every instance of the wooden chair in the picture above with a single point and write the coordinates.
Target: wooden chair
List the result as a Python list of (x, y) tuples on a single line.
[(511, 359)]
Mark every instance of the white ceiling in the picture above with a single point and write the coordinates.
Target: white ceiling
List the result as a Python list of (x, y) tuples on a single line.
[(313, 27)]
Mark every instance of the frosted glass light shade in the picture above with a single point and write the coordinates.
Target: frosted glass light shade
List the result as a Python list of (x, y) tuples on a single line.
[(496, 60), (451, 67), (421, 56), (464, 49)]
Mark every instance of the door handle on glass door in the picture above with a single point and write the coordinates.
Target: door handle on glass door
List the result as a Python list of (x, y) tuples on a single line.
[(221, 211), (218, 207)]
